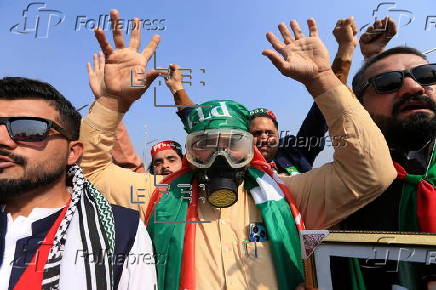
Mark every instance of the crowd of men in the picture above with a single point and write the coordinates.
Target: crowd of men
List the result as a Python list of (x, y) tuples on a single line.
[(69, 218)]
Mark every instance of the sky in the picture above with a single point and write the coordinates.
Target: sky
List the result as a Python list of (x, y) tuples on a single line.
[(220, 41)]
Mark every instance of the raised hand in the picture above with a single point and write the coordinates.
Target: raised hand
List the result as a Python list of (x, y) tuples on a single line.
[(174, 78), (345, 31), (377, 36), (124, 62), (303, 58), (96, 75)]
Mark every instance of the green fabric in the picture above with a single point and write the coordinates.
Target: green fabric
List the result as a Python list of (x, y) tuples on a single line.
[(357, 281), (216, 115), (408, 277), (292, 170), (168, 237), (283, 237), (408, 222), (408, 219)]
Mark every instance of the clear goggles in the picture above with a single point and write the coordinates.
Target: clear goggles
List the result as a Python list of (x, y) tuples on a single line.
[(204, 146)]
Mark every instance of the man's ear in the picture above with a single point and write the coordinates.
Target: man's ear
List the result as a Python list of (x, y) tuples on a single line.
[(75, 152)]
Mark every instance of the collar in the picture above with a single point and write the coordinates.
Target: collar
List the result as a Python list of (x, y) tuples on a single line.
[(415, 162)]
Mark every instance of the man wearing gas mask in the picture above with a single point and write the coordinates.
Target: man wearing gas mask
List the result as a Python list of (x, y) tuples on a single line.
[(205, 219)]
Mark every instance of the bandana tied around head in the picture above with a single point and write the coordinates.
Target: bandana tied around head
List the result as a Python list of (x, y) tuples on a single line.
[(262, 112), (166, 145), (176, 239), (86, 201), (217, 114)]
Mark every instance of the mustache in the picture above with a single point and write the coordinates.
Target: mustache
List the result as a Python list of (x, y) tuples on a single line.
[(16, 158), (266, 143), (419, 98)]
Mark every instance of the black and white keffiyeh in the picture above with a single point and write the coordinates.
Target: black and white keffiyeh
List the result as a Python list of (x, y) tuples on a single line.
[(97, 232)]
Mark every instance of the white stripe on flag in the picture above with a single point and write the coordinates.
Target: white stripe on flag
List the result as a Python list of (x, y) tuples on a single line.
[(298, 219), (277, 178), (267, 190)]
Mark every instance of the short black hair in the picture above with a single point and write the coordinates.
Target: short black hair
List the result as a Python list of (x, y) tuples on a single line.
[(262, 112), (358, 79), (15, 88)]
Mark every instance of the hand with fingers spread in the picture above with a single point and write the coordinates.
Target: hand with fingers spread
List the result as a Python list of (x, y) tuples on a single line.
[(125, 63), (345, 32), (377, 36), (304, 59), (174, 78), (96, 75)]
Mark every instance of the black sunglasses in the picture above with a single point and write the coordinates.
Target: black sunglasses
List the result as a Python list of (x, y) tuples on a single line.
[(391, 81), (30, 129)]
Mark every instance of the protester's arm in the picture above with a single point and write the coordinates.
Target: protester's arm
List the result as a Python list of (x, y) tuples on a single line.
[(362, 167), (312, 130), (122, 186), (377, 36), (174, 82), (314, 126), (344, 32), (123, 152)]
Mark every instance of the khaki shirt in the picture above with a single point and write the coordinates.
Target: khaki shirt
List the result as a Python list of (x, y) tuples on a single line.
[(362, 169)]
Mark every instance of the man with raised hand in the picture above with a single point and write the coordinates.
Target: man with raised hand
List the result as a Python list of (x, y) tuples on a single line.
[(123, 151), (226, 189), (397, 87), (56, 230), (288, 154)]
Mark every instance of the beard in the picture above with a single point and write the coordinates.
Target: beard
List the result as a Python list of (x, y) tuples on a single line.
[(411, 133), (34, 177)]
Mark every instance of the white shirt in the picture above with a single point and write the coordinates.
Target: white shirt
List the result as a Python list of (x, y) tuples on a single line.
[(138, 269)]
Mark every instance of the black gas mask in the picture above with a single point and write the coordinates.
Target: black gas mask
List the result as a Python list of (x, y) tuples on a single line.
[(220, 156), (220, 182)]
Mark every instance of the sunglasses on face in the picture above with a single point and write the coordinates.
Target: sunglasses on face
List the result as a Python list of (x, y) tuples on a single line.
[(30, 129), (389, 82)]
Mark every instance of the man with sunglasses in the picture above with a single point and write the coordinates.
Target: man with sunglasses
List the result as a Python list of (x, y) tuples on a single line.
[(398, 89), (56, 229), (203, 216)]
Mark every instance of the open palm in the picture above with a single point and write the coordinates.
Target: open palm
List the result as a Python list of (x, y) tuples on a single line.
[(125, 72), (303, 58)]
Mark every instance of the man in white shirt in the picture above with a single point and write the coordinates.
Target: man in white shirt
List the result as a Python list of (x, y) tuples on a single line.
[(56, 229)]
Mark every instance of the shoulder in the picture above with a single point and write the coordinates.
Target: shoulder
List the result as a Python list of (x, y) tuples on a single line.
[(126, 222)]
